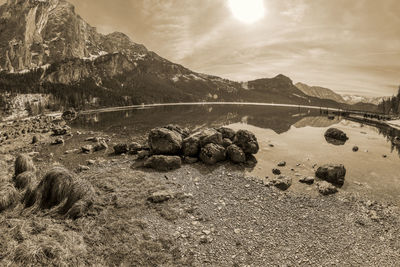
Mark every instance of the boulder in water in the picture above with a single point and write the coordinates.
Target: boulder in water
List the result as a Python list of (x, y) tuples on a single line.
[(247, 141), (334, 133)]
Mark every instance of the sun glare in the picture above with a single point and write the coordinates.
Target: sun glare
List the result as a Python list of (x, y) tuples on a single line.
[(247, 11)]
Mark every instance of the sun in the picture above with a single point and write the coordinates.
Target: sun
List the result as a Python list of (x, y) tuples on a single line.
[(247, 11)]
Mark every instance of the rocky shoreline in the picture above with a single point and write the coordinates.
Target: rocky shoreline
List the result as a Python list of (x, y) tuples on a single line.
[(172, 199)]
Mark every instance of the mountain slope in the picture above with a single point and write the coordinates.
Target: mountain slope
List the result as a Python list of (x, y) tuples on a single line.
[(47, 48), (320, 92)]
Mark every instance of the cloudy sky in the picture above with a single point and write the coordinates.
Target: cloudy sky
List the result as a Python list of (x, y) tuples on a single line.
[(349, 46)]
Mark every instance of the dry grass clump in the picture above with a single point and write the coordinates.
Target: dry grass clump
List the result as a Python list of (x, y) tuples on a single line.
[(24, 179), (9, 196), (62, 191), (52, 245), (23, 163)]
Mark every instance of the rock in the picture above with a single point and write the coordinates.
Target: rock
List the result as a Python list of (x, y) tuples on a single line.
[(82, 168), (165, 141), (282, 182), (35, 139), (334, 174), (90, 162), (71, 151), (191, 146), (210, 136), (160, 196), (143, 154), (58, 141), (58, 131), (235, 154), (134, 148), (251, 161), (325, 188), (101, 145), (282, 164), (307, 180), (69, 115), (190, 160), (87, 149), (227, 132), (120, 149), (385, 156), (276, 171), (212, 153), (355, 148), (336, 134), (226, 142), (184, 132), (247, 141), (92, 139), (163, 163)]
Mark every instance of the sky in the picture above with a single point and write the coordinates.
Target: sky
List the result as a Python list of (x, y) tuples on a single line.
[(352, 47)]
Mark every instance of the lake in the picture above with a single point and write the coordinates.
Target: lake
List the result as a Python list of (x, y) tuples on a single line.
[(295, 133)]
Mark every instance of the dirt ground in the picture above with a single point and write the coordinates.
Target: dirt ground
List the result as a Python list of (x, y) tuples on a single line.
[(195, 216)]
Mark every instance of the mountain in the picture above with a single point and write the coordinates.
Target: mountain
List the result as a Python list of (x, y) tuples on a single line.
[(45, 47), (320, 92), (354, 99)]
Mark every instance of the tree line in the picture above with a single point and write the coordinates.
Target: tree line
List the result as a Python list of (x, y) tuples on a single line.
[(391, 105)]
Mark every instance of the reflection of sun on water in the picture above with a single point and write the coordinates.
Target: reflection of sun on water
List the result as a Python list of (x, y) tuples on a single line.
[(247, 11)]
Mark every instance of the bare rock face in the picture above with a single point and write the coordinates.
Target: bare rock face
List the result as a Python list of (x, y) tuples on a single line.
[(334, 174), (163, 163), (165, 142), (236, 154), (247, 141), (212, 153)]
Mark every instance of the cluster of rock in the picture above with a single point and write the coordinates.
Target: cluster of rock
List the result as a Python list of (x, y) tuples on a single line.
[(331, 177), (40, 124), (169, 146)]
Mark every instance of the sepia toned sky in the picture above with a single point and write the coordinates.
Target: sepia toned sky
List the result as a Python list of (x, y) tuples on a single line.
[(348, 46)]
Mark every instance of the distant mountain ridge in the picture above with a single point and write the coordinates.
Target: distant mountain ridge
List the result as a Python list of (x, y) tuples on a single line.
[(326, 93), (46, 47)]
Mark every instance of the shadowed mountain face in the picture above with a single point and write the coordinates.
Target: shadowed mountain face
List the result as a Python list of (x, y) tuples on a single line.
[(46, 47)]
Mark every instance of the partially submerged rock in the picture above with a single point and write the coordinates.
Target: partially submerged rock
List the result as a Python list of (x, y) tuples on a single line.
[(325, 188), (212, 153), (69, 114), (333, 173), (335, 136), (163, 163), (165, 142), (247, 141), (276, 171)]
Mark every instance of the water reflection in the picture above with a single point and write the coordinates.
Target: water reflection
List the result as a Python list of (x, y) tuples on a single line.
[(278, 119)]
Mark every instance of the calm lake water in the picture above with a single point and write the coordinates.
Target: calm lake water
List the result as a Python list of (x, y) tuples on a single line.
[(296, 133)]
